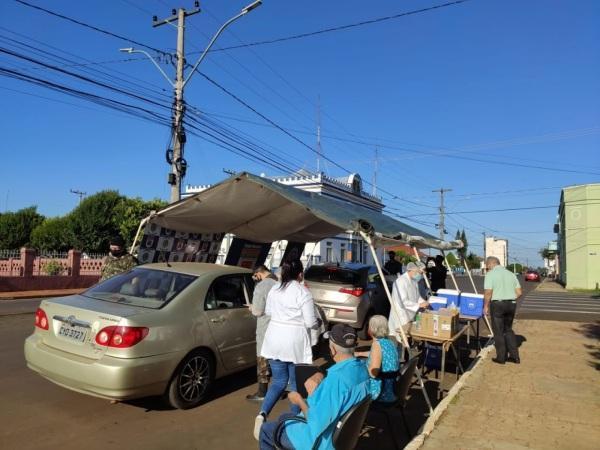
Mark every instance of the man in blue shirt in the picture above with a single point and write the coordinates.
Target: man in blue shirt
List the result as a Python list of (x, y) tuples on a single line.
[(330, 397)]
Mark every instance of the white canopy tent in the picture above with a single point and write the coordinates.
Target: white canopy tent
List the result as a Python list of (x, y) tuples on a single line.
[(261, 210)]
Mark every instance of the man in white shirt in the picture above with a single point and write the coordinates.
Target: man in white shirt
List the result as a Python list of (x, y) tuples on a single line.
[(406, 296)]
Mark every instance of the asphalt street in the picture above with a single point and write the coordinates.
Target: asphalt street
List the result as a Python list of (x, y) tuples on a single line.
[(36, 413)]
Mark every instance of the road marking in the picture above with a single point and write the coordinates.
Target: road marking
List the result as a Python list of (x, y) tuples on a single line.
[(561, 311), (554, 303)]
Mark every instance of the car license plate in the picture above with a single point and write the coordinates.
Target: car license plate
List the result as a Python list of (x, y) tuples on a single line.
[(330, 313), (73, 333)]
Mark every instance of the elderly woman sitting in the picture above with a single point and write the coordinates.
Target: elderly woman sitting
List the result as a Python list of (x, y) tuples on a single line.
[(383, 362)]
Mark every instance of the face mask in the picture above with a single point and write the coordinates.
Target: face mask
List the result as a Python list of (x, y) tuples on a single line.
[(418, 277)]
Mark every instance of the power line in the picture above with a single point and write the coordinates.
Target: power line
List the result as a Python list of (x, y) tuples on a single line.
[(340, 27), (91, 27), (489, 210), (81, 77)]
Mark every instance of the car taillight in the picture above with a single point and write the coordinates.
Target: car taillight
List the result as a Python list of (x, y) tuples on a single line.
[(357, 291), (120, 336), (41, 319)]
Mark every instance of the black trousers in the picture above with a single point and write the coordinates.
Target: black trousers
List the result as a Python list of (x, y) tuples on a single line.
[(503, 313)]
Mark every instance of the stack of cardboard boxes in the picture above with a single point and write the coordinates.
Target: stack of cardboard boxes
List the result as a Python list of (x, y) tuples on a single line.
[(442, 324)]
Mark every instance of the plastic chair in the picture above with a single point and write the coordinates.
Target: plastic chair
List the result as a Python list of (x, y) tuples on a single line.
[(401, 389), (347, 429)]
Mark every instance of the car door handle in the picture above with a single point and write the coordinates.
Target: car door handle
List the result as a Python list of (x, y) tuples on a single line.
[(218, 320)]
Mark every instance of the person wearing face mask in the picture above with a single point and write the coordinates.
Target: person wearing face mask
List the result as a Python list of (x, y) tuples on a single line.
[(406, 296), (117, 261), (287, 338), (265, 280)]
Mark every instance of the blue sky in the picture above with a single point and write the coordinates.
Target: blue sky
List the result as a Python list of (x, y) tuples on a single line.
[(504, 81)]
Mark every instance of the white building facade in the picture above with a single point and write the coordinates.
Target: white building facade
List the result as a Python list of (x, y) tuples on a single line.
[(346, 247), (497, 247)]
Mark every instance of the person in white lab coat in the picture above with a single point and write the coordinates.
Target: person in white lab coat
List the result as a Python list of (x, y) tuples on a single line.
[(407, 299)]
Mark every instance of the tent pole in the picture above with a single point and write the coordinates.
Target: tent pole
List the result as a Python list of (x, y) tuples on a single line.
[(470, 276), (426, 279), (450, 270), (394, 306), (487, 322), (143, 222)]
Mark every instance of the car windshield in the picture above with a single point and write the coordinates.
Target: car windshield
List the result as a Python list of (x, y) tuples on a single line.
[(333, 274), (141, 287)]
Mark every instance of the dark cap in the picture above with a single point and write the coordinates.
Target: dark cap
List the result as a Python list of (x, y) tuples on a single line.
[(117, 240), (342, 335)]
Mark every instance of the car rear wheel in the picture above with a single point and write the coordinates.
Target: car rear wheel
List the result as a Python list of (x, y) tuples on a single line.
[(191, 381)]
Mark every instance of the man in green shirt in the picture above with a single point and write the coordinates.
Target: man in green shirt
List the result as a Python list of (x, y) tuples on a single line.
[(501, 291)]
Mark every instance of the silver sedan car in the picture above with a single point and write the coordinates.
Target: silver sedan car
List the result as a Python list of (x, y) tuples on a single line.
[(161, 329)]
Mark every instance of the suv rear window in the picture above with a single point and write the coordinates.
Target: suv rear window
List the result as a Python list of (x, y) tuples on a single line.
[(333, 274)]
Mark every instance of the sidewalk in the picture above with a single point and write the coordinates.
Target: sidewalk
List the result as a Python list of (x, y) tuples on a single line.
[(550, 401), (39, 294), (551, 286)]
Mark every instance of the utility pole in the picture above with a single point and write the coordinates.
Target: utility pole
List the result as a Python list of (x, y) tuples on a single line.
[(79, 193), (175, 154), (376, 168), (442, 191), (319, 134), (484, 244)]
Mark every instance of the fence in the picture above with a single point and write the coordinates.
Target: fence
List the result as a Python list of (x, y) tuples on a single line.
[(30, 271), (27, 262)]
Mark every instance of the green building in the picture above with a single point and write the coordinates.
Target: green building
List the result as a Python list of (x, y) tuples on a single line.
[(578, 231)]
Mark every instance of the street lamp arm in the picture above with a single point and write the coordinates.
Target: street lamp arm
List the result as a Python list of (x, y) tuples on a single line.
[(244, 11), (132, 50)]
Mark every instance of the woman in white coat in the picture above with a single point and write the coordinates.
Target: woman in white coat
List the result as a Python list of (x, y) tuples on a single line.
[(287, 339)]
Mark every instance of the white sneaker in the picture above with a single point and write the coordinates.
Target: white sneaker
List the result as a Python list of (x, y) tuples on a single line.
[(258, 422)]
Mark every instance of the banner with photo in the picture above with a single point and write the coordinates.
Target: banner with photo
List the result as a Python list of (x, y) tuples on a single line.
[(160, 244), (247, 254)]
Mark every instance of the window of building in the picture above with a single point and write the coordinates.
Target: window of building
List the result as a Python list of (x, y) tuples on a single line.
[(328, 254)]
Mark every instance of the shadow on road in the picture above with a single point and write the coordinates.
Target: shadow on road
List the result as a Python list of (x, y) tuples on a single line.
[(220, 388)]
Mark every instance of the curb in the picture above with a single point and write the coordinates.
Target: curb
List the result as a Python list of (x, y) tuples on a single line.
[(21, 296), (441, 408)]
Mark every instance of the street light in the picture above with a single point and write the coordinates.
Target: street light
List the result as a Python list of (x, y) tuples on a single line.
[(177, 162), (244, 11), (143, 52)]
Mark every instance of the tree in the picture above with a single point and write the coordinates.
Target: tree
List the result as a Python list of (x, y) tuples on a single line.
[(93, 221), (54, 234), (129, 213), (462, 252), (16, 227), (515, 267), (545, 253), (474, 261), (452, 260), (404, 257)]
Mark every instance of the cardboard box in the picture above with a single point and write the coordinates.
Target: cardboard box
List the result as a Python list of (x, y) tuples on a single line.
[(441, 324)]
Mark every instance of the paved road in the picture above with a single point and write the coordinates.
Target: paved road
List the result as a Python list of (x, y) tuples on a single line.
[(20, 306), (37, 414), (563, 306)]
